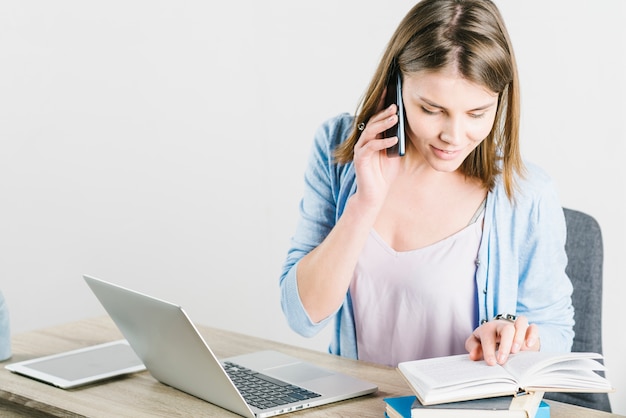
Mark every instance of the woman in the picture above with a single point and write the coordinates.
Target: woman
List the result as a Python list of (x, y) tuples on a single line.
[(455, 247)]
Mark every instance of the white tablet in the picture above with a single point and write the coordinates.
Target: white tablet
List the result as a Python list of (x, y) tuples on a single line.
[(80, 367)]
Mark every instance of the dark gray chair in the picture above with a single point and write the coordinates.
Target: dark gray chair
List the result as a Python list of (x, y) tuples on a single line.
[(585, 257)]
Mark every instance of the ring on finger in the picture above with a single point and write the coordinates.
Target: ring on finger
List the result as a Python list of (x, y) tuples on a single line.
[(505, 317)]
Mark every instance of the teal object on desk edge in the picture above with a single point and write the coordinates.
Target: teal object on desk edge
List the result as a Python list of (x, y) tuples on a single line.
[(5, 330), (403, 404), (543, 411)]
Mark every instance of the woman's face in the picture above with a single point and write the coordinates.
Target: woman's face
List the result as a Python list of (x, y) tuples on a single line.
[(447, 116)]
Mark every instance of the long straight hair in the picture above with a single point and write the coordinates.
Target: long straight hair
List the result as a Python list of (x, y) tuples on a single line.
[(470, 36)]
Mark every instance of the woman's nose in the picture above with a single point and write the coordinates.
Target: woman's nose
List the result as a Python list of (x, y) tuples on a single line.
[(451, 131)]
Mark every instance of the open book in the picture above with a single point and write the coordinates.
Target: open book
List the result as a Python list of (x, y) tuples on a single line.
[(458, 378)]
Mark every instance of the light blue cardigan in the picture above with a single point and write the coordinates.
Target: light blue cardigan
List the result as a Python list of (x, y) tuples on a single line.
[(521, 260)]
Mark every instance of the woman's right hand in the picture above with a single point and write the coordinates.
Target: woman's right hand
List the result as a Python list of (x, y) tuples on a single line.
[(374, 170)]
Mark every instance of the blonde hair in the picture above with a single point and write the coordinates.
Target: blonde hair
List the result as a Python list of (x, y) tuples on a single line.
[(470, 36)]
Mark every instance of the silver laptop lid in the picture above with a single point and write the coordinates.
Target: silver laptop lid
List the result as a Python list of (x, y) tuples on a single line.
[(169, 345)]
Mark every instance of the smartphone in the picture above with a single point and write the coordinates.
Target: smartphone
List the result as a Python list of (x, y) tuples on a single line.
[(394, 95)]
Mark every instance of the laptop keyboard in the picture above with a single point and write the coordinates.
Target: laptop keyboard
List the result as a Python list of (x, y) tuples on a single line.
[(263, 391)]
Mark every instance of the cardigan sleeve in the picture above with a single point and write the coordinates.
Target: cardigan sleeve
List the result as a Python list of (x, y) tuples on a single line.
[(545, 290), (318, 213), (528, 275)]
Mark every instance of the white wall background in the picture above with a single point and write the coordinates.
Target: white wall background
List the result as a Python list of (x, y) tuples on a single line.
[(161, 144)]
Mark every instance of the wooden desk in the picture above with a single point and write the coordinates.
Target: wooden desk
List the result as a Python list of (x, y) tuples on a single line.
[(140, 395)]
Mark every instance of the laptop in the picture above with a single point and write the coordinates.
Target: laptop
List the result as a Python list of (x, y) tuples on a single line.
[(174, 352)]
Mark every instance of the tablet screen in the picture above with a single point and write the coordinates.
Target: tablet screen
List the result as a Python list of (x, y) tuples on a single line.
[(82, 366)]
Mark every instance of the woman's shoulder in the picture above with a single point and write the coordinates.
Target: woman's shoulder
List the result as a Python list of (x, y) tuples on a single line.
[(336, 129), (536, 173), (535, 181), (535, 193), (341, 121), (532, 182)]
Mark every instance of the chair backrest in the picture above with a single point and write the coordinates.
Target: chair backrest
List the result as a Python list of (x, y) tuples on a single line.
[(585, 258)]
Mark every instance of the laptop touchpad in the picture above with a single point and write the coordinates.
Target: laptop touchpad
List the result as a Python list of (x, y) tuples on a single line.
[(298, 372)]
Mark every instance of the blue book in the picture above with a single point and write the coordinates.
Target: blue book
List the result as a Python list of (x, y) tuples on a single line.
[(401, 405), (410, 407)]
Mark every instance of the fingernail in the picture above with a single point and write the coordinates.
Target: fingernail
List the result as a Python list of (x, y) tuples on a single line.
[(515, 348)]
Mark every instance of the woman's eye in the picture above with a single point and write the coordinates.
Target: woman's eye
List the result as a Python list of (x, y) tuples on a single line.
[(477, 115), (428, 111)]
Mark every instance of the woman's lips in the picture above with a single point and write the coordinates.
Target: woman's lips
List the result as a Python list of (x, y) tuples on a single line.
[(445, 154)]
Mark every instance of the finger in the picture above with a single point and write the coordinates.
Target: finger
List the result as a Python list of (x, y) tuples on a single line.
[(378, 124), (532, 342), (380, 115), (488, 343), (384, 113), (507, 334), (376, 144), (382, 121), (521, 327), (473, 347)]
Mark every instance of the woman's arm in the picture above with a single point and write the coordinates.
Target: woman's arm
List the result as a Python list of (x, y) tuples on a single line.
[(545, 290), (323, 256), (527, 274)]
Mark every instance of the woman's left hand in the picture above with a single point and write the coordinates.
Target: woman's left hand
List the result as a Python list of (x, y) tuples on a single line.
[(495, 340)]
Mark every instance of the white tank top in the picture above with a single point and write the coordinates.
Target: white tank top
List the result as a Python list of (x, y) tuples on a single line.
[(416, 304)]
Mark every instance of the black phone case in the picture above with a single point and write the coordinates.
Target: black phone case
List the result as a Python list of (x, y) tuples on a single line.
[(394, 95)]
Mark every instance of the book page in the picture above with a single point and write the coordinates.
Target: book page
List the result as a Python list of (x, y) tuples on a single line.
[(566, 371), (445, 379), (457, 370)]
